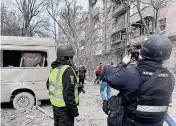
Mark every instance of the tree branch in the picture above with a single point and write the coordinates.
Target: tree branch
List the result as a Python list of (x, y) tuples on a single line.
[(57, 22), (140, 14)]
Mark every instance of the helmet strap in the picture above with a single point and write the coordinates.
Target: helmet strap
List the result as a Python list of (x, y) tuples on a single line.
[(69, 59)]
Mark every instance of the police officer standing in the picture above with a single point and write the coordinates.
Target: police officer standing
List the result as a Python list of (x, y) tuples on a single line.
[(63, 87), (145, 89)]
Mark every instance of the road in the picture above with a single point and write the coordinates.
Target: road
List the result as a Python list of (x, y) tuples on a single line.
[(90, 109)]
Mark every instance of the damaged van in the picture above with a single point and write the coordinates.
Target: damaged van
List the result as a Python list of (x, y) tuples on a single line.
[(25, 64)]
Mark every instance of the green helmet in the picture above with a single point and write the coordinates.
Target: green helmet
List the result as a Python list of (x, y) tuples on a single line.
[(65, 50)]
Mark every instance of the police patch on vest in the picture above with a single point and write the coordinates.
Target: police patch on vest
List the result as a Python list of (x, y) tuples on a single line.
[(72, 79), (151, 73)]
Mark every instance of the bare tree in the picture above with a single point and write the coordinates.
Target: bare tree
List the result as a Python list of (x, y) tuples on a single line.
[(67, 21), (9, 22), (13, 20), (29, 9), (53, 8), (156, 6), (138, 5), (40, 27)]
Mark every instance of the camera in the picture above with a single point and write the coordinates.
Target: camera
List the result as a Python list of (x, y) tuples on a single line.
[(134, 52)]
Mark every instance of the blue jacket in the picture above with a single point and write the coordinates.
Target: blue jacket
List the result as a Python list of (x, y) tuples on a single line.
[(127, 79), (122, 78)]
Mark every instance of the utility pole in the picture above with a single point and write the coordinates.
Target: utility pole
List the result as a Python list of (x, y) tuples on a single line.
[(105, 2)]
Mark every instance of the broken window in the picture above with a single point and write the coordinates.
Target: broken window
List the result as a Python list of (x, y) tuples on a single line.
[(135, 32), (118, 36), (11, 58), (162, 24), (1, 61), (15, 58), (142, 30), (123, 36)]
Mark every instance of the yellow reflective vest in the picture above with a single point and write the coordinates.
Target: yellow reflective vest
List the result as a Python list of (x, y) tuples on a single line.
[(56, 86)]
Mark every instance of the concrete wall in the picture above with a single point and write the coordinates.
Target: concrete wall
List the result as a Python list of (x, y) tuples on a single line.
[(171, 63), (169, 12)]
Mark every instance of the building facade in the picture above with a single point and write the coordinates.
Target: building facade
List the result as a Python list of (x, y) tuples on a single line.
[(114, 24), (118, 25), (166, 26)]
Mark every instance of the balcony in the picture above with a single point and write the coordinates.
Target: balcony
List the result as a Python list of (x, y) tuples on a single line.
[(119, 10), (117, 45), (117, 42), (119, 27), (147, 12), (138, 40)]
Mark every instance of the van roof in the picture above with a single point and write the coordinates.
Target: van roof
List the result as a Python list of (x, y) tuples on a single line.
[(30, 41)]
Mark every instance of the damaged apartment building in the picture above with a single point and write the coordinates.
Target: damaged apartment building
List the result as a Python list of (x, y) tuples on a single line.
[(118, 26), (115, 29), (166, 26), (109, 22)]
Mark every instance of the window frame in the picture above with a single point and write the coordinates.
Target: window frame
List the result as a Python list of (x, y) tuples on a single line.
[(162, 22), (40, 50)]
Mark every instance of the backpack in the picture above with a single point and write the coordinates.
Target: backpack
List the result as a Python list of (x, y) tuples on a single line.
[(114, 109)]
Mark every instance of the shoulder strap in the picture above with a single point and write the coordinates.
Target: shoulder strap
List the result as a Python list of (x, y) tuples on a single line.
[(143, 87)]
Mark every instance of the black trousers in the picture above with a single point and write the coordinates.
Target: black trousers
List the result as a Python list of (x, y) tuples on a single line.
[(97, 78), (81, 81), (62, 117)]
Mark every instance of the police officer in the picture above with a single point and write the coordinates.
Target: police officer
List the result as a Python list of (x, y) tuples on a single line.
[(147, 107), (63, 87)]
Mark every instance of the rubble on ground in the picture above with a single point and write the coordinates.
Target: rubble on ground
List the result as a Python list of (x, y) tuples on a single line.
[(90, 109)]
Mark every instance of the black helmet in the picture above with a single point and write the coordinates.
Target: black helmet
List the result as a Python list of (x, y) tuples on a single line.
[(156, 47), (65, 50)]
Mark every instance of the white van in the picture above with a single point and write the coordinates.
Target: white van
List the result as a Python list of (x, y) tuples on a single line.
[(25, 64)]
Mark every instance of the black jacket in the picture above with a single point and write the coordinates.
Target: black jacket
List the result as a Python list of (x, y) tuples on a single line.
[(82, 72), (127, 79), (68, 87)]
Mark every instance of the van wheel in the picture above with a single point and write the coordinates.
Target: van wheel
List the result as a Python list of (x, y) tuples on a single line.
[(23, 100)]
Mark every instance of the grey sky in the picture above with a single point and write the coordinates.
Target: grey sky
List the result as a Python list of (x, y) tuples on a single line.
[(84, 4)]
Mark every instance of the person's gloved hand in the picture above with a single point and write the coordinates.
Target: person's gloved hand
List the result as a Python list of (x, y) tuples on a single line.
[(127, 59)]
